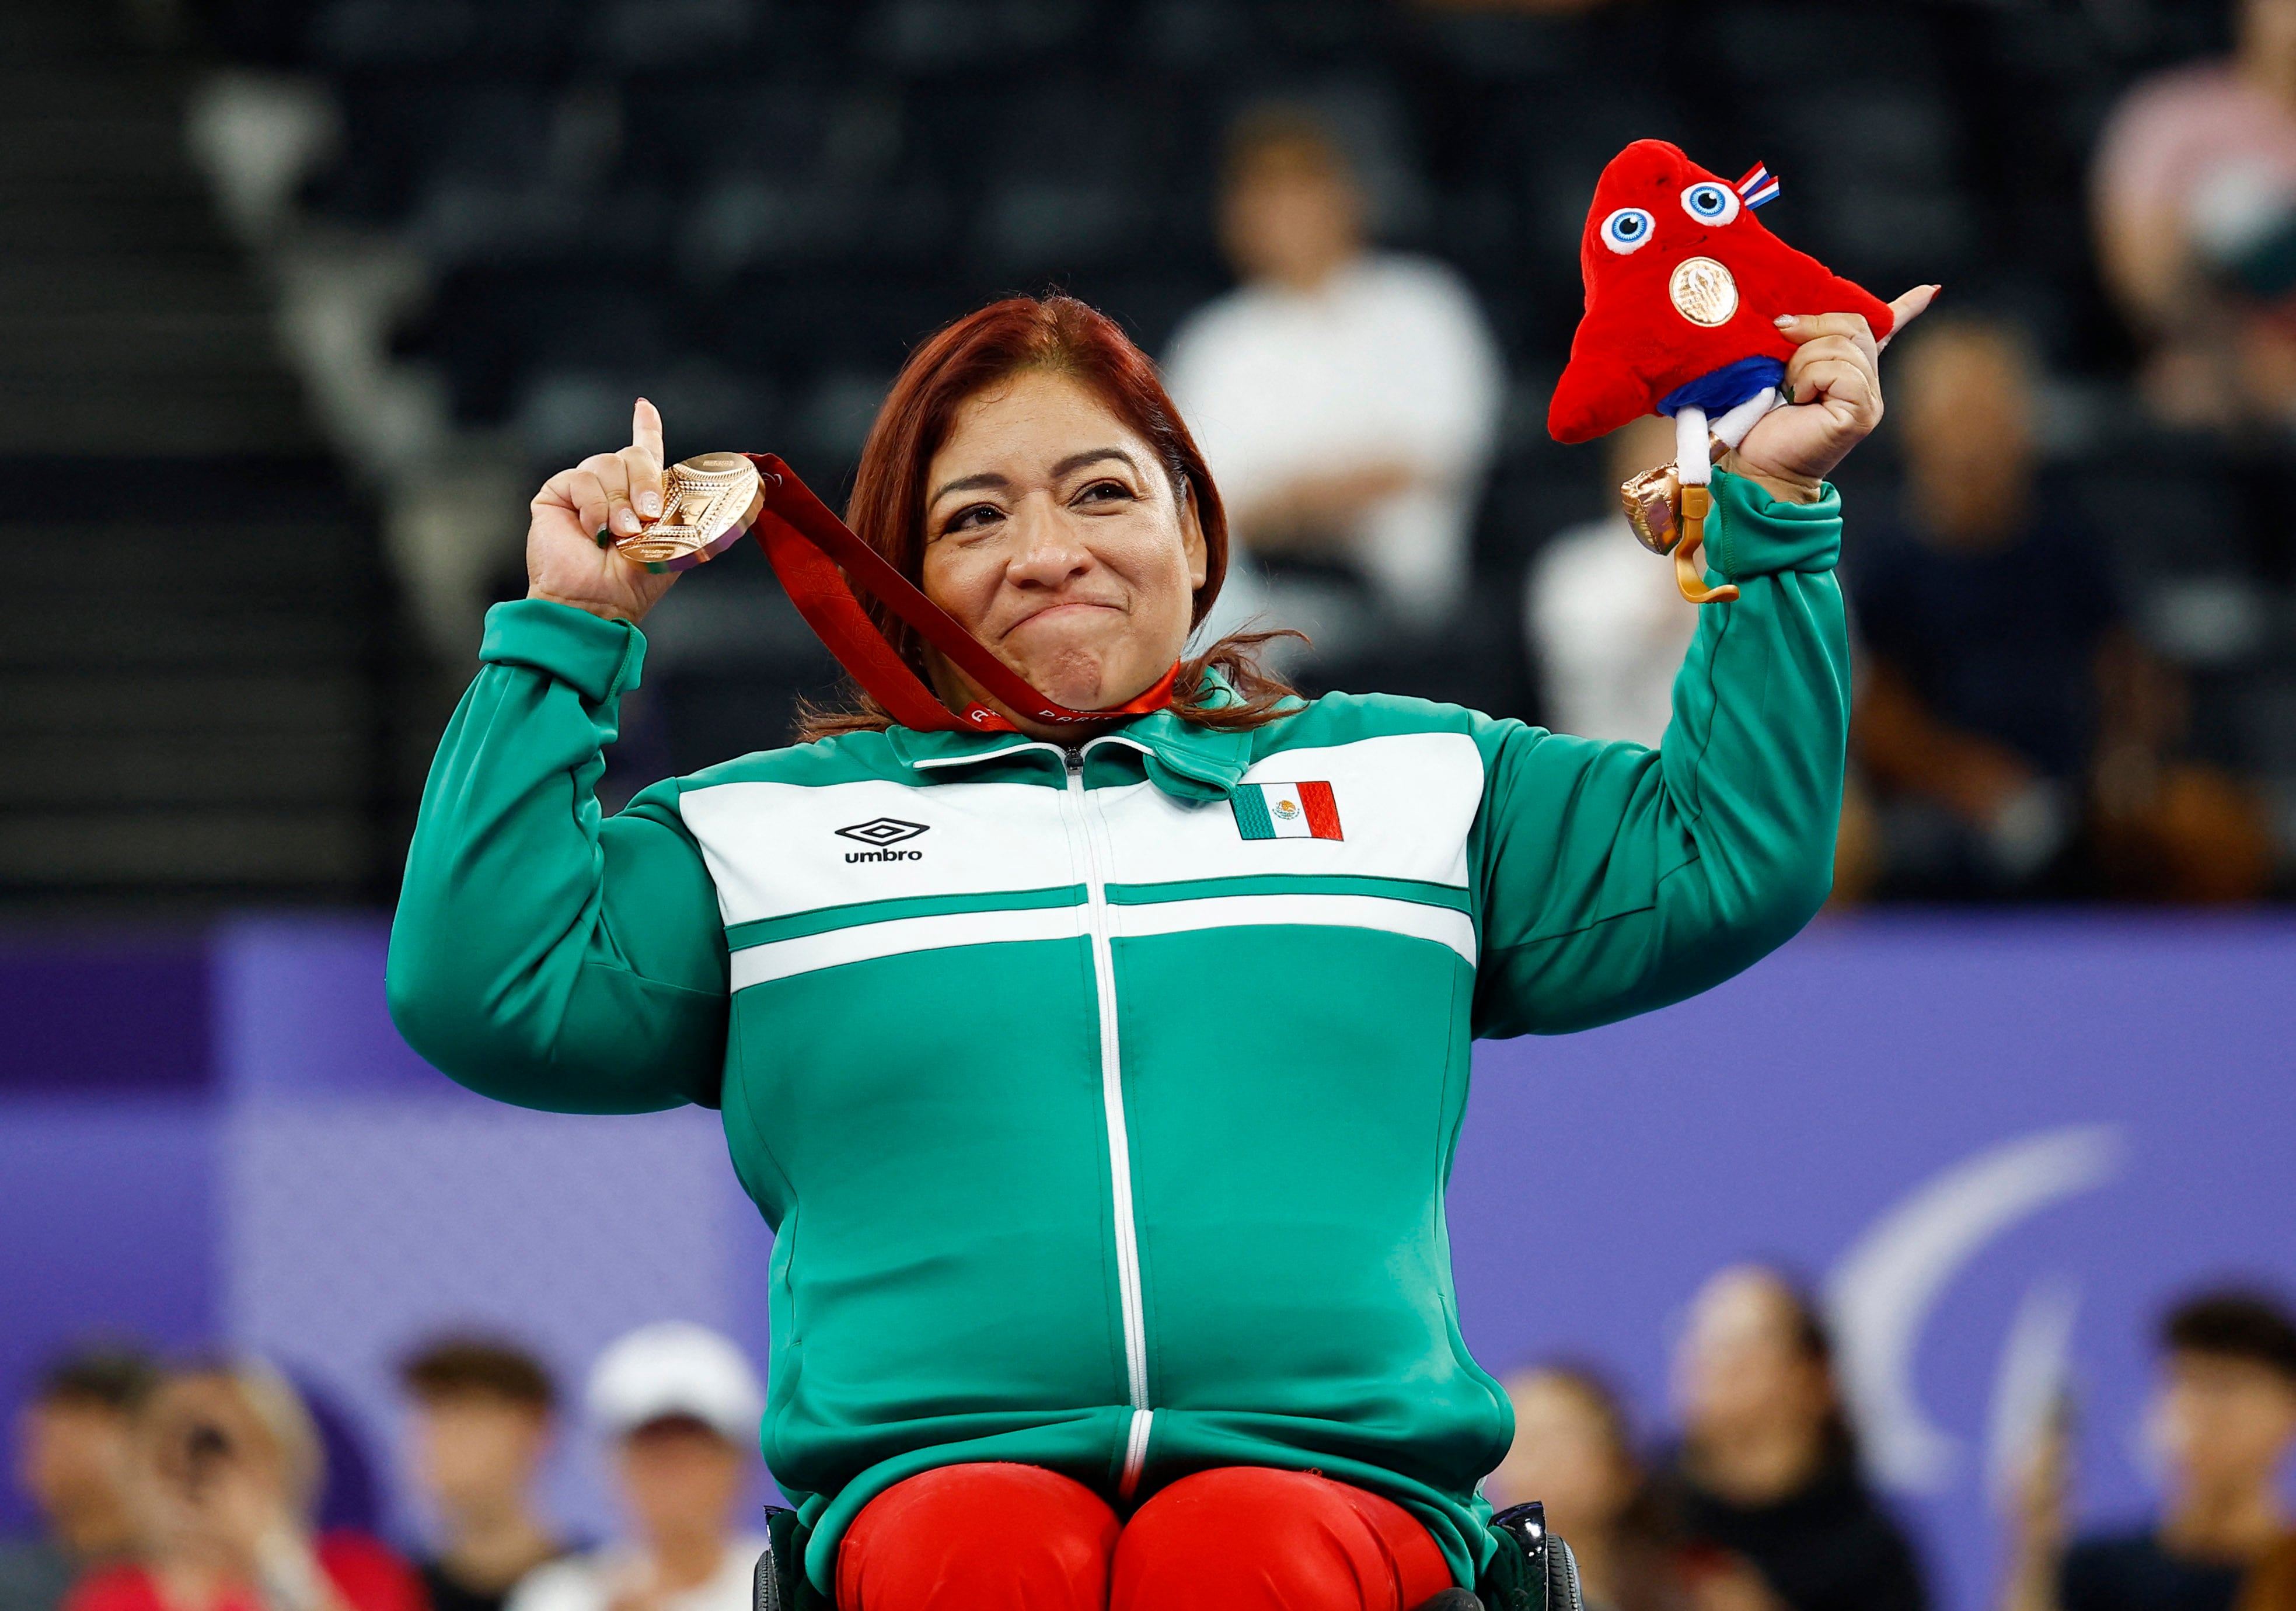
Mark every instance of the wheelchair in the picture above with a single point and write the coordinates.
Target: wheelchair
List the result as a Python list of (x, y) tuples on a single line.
[(1532, 1569)]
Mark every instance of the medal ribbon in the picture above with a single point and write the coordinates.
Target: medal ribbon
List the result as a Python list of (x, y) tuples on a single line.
[(807, 545)]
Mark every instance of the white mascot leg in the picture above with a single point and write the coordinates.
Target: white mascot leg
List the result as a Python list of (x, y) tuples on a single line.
[(1694, 470), (1731, 429), (1690, 462)]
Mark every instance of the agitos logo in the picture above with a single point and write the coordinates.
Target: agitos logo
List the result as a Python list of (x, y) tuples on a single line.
[(883, 833)]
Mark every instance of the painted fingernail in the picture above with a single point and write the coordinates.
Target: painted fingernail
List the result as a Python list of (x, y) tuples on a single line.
[(626, 520), (605, 536), (650, 504), (1782, 320)]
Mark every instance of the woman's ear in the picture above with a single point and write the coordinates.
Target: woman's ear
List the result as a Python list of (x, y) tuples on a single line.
[(1191, 538)]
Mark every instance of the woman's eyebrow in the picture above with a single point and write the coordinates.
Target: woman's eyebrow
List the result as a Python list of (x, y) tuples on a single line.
[(1077, 460), (1068, 466), (987, 478)]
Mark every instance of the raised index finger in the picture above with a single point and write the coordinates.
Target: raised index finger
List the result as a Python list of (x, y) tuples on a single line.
[(1800, 328), (645, 429), (1909, 308)]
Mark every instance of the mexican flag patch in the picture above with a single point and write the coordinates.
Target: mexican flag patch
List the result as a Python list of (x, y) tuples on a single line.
[(1285, 811)]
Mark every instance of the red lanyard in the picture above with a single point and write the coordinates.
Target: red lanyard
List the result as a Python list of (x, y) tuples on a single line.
[(807, 544)]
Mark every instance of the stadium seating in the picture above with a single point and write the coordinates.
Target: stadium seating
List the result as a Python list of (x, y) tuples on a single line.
[(753, 210)]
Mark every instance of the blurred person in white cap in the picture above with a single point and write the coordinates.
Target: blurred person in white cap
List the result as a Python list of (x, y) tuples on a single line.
[(679, 1405)]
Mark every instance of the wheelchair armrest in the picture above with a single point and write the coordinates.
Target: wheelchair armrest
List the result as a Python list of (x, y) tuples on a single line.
[(1544, 1577)]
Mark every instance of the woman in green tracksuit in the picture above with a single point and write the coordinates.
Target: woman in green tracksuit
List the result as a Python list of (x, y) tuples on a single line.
[(1101, 1084)]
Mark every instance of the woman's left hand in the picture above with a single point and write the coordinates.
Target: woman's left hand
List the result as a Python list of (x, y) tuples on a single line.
[(1833, 387)]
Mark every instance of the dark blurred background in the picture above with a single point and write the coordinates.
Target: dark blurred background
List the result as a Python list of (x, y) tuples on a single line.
[(306, 296)]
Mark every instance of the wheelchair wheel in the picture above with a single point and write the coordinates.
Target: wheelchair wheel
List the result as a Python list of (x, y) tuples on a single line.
[(1561, 1577), (780, 1583), (766, 1586)]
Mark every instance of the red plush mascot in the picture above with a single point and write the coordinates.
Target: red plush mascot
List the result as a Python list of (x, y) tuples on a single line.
[(1684, 289)]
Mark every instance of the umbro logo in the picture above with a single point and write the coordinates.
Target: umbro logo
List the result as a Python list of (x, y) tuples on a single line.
[(883, 833)]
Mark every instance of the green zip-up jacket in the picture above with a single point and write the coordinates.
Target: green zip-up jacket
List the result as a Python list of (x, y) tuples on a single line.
[(1103, 1101)]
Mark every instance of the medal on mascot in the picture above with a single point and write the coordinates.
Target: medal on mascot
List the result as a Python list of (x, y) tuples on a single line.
[(710, 501), (1684, 287)]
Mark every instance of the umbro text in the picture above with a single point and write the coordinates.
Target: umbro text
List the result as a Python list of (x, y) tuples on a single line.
[(884, 855)]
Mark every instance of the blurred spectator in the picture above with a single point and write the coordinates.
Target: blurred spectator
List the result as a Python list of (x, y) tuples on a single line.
[(2016, 735), (1767, 1470), (1571, 1451), (2196, 224), (1607, 625), (2223, 1422), (681, 1406), (227, 1471), (1345, 399), (72, 1443), (1543, 7), (481, 1425)]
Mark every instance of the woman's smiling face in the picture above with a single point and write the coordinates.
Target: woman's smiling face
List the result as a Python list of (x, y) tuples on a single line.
[(1053, 533)]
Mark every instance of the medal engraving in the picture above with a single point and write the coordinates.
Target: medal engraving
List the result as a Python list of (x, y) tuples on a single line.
[(708, 503), (1704, 291), (1651, 501)]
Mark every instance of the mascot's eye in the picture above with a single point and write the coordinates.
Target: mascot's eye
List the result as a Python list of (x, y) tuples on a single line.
[(1711, 203), (1629, 229)]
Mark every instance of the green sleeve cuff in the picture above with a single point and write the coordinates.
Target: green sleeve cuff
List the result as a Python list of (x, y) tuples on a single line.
[(596, 657), (1752, 534)]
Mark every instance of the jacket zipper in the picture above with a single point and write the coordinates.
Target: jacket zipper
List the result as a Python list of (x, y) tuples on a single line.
[(1119, 1146)]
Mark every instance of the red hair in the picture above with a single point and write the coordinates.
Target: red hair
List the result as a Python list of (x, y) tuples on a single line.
[(1060, 335)]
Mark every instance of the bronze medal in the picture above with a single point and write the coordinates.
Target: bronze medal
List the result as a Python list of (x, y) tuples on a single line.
[(1650, 501), (708, 503), (1669, 517)]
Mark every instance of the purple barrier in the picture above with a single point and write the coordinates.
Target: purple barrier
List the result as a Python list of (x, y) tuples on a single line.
[(1997, 1144), (100, 1014)]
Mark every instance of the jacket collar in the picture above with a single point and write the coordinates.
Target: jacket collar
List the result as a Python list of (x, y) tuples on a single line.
[(1181, 758)]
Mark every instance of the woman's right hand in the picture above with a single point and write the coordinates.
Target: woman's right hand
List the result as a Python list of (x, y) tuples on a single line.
[(570, 557)]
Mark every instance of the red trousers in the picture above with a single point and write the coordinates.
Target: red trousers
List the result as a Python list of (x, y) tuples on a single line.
[(1241, 1538)]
